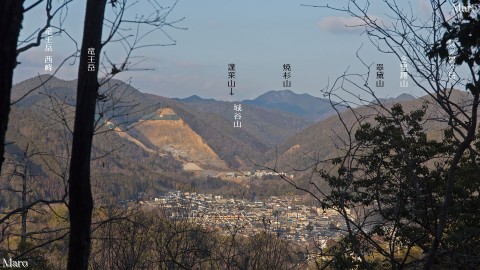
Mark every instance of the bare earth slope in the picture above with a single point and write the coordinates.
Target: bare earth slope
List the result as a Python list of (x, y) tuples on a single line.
[(169, 133)]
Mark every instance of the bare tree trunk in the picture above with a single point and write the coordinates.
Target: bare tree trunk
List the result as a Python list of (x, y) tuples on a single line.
[(25, 177), (11, 17), (447, 204), (80, 194)]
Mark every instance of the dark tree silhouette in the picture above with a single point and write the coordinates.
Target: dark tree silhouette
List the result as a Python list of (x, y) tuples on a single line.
[(80, 195), (88, 99), (11, 17), (416, 185), (12, 13)]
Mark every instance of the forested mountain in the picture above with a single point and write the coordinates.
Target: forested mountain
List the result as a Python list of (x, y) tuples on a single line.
[(161, 140), (142, 140), (323, 140), (261, 130), (302, 105), (123, 106)]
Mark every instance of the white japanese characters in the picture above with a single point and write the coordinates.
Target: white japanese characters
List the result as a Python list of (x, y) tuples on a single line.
[(452, 55), (48, 50), (403, 72), (237, 115), (91, 59)]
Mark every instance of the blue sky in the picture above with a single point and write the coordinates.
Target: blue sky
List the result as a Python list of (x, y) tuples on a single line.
[(258, 36)]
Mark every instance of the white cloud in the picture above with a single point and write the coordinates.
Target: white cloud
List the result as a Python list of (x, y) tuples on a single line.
[(341, 25), (425, 7)]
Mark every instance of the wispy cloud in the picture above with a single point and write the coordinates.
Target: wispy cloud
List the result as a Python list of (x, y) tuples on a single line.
[(425, 7), (342, 25)]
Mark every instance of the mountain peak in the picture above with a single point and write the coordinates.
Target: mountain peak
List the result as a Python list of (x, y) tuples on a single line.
[(279, 94), (194, 98), (304, 105), (404, 96), (283, 91), (399, 98)]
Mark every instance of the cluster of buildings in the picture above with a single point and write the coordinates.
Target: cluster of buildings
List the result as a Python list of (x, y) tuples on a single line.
[(281, 215), (256, 173)]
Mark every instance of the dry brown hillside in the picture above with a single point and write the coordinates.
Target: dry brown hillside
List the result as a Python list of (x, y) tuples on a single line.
[(322, 140), (169, 133)]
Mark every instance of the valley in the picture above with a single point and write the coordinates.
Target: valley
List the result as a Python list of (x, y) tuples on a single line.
[(184, 142)]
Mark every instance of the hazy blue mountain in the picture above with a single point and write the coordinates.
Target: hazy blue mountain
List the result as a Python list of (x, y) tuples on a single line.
[(304, 105), (193, 98)]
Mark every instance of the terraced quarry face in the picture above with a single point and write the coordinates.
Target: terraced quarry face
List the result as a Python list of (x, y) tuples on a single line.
[(169, 133)]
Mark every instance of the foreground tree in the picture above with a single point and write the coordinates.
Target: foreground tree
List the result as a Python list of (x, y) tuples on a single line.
[(410, 194), (150, 239), (392, 183), (11, 17), (80, 203), (12, 44), (80, 194)]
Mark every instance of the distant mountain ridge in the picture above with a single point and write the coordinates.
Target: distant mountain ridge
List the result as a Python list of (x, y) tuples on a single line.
[(305, 106), (194, 98), (400, 98), (168, 141), (212, 120), (270, 121)]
